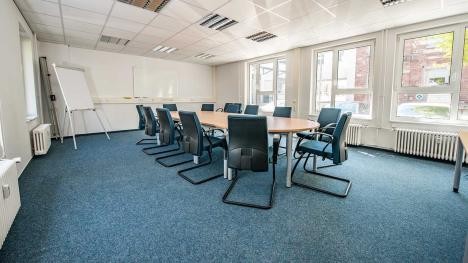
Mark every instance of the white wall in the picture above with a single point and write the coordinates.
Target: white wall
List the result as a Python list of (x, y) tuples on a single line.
[(112, 78), (380, 130), (12, 97)]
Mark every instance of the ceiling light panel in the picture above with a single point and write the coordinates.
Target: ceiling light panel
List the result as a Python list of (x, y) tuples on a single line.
[(114, 40), (261, 36), (204, 56), (392, 2), (164, 49), (152, 5), (217, 22)]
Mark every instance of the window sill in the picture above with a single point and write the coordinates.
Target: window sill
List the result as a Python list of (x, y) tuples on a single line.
[(461, 124), (31, 118)]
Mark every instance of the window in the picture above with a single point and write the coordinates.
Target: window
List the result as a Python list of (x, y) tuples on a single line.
[(267, 83), (28, 75), (343, 78), (432, 76)]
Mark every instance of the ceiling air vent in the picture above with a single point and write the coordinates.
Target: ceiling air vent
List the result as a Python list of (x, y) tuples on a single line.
[(152, 5), (217, 22), (392, 2), (204, 56), (114, 40), (261, 36)]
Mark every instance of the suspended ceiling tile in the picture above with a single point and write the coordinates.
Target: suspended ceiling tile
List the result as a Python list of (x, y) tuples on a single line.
[(39, 6), (97, 6), (132, 13), (37, 18), (81, 26), (83, 15), (268, 4), (48, 29), (183, 11), (207, 4), (155, 31), (109, 47), (149, 39), (114, 32), (54, 38), (240, 10), (81, 35), (266, 20), (124, 24), (169, 23)]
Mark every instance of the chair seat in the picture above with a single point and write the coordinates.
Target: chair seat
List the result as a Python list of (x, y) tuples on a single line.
[(316, 147)]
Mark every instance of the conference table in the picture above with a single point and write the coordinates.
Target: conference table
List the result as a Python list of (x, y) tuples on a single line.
[(276, 125), (462, 146)]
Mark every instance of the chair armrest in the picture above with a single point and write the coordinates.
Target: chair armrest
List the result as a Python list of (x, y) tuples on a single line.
[(328, 126), (310, 136), (276, 142), (220, 109)]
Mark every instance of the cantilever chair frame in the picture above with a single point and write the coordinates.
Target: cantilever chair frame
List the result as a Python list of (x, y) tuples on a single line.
[(141, 126), (314, 169), (182, 172)]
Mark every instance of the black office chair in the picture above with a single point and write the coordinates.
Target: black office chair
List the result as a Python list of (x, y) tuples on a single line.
[(328, 118), (207, 107), (142, 125), (284, 112), (232, 108), (151, 126), (251, 110), (196, 141), (170, 107), (334, 150), (169, 133), (248, 150)]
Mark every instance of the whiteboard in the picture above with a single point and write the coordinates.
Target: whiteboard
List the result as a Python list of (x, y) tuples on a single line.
[(74, 87), (155, 83)]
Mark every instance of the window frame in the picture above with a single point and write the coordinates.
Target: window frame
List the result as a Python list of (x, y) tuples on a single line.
[(454, 86), (334, 89), (25, 37), (256, 64)]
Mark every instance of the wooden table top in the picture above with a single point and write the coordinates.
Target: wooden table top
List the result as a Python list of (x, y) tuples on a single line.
[(463, 135), (275, 124)]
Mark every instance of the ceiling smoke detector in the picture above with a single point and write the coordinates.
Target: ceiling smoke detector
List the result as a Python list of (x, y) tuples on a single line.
[(152, 5), (261, 36), (204, 56), (114, 40), (217, 22), (386, 3)]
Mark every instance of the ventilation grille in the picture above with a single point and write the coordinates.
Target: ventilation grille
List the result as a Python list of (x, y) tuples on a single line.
[(261, 36), (392, 2), (114, 40), (152, 5), (204, 56), (217, 22), (161, 49)]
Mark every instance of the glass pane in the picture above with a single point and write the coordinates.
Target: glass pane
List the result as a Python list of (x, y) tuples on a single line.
[(353, 68), (281, 83), (427, 60), (429, 106), (355, 103), (266, 77), (324, 79), (266, 103), (463, 101)]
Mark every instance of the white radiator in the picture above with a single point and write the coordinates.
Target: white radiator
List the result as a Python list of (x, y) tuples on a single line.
[(41, 138), (354, 134), (9, 197), (431, 144)]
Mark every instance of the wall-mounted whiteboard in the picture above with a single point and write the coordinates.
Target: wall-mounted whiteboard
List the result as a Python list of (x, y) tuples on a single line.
[(177, 81), (74, 87)]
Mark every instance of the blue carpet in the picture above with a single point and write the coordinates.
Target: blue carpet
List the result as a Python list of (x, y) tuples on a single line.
[(109, 202)]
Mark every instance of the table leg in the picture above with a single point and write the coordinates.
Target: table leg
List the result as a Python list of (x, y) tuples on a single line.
[(458, 166), (289, 156), (196, 159)]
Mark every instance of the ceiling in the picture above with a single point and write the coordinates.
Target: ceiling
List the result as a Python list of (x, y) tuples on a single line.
[(80, 23)]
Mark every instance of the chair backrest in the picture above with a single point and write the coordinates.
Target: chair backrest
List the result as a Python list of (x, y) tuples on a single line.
[(339, 136), (192, 141), (328, 116), (170, 107), (251, 109), (233, 107), (151, 125), (284, 112), (207, 107), (167, 127), (248, 143), (141, 117)]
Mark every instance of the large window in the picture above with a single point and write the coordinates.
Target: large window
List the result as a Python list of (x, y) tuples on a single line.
[(267, 81), (343, 77), (27, 57), (432, 76)]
